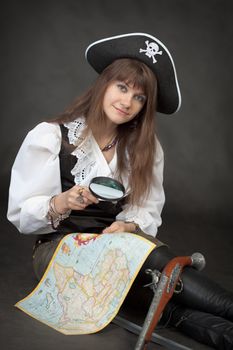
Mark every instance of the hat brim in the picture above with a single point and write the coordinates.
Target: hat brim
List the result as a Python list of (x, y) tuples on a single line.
[(103, 52)]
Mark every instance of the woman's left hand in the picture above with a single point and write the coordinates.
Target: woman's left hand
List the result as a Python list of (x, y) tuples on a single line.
[(120, 226)]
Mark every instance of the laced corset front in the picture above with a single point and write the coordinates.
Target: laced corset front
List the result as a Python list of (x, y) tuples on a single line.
[(80, 160)]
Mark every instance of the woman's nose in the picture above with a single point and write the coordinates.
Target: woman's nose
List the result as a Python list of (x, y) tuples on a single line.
[(126, 100)]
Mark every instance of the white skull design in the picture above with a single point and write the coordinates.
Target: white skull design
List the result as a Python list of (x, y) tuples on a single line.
[(151, 50)]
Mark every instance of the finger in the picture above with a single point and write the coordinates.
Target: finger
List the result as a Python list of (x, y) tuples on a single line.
[(107, 230), (111, 229), (78, 202), (80, 199), (79, 206), (89, 196), (85, 193)]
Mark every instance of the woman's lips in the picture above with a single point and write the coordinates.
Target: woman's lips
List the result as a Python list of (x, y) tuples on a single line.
[(121, 111)]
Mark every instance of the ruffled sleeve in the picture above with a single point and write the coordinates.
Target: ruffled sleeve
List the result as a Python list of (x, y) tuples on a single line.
[(148, 216), (35, 177)]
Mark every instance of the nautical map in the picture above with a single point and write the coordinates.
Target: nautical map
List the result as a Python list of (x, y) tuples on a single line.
[(87, 281)]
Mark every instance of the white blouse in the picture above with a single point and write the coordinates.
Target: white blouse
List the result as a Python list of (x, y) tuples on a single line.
[(35, 177)]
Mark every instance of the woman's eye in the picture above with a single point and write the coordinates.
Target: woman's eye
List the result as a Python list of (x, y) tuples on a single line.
[(122, 87), (140, 98)]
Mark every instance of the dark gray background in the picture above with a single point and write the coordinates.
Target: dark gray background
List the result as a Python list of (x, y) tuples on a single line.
[(43, 69)]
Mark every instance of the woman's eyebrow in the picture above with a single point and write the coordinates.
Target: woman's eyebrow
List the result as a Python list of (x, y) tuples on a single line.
[(140, 91)]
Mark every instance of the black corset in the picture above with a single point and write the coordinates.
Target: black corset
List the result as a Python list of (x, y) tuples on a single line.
[(95, 217)]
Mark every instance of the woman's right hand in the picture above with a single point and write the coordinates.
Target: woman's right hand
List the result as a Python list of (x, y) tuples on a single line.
[(76, 198)]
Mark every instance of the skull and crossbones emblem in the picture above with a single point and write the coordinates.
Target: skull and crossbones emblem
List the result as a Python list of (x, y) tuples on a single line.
[(152, 49)]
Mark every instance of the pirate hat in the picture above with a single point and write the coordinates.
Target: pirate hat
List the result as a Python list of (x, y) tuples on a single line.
[(146, 48)]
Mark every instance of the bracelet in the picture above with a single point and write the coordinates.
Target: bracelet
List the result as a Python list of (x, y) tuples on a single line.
[(137, 227), (54, 217)]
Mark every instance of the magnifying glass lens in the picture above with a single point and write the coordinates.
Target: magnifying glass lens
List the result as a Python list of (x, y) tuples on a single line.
[(107, 188)]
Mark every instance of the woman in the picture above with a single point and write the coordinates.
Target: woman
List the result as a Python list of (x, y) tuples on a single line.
[(110, 131)]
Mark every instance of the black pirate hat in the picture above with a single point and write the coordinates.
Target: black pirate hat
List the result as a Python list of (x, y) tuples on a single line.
[(148, 49)]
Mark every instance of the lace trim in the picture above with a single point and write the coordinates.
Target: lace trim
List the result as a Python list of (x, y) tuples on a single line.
[(75, 130), (83, 152)]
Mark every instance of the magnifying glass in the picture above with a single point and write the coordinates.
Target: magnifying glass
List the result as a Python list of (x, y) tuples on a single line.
[(106, 188)]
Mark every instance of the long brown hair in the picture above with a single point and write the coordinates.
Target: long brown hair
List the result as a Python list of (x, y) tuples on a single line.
[(136, 138)]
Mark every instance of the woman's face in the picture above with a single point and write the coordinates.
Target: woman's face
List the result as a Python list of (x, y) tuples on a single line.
[(122, 102)]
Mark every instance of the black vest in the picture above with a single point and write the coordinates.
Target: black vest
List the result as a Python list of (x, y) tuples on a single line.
[(95, 217)]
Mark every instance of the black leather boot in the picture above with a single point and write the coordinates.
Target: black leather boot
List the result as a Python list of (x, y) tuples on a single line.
[(199, 291), (203, 294), (203, 327)]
